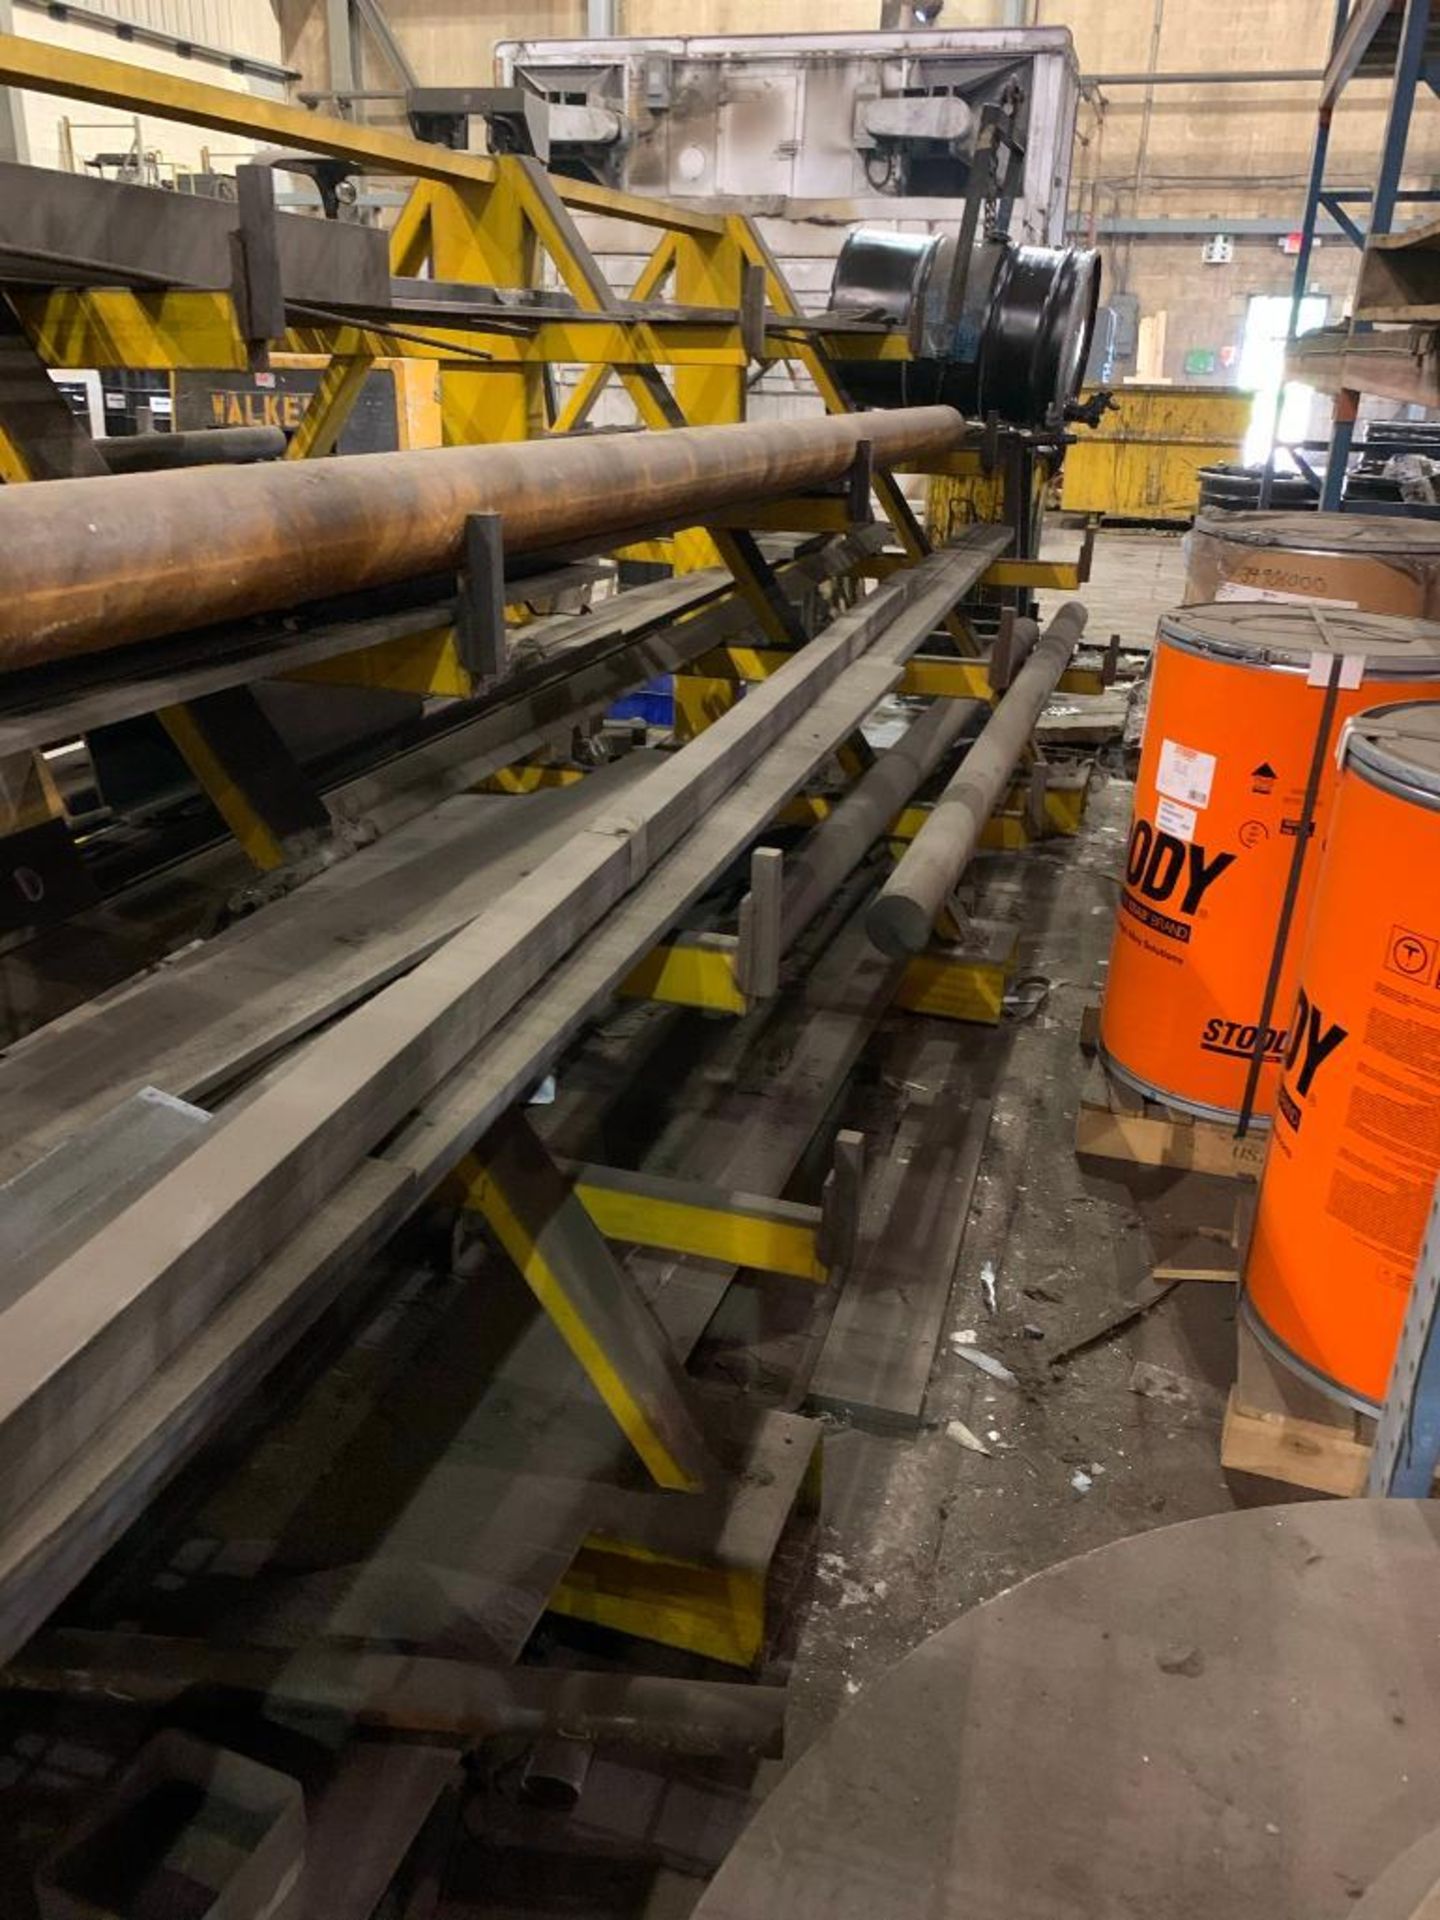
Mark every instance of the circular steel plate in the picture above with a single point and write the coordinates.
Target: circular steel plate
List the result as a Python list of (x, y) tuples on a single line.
[(1235, 1718)]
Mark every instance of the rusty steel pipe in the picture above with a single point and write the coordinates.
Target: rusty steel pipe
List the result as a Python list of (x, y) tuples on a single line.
[(97, 563)]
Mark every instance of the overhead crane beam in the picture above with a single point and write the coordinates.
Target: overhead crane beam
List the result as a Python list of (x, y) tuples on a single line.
[(40, 68)]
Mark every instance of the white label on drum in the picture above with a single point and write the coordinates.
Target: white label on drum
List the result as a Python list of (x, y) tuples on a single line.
[(1185, 773), (1239, 590), (1174, 819), (1322, 665)]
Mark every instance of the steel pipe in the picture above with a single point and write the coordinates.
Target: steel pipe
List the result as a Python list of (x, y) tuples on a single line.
[(446, 1699), (842, 840), (202, 447), (902, 914), (97, 563)]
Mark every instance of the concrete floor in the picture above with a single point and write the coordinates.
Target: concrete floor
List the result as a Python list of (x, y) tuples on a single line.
[(1135, 576), (917, 1530)]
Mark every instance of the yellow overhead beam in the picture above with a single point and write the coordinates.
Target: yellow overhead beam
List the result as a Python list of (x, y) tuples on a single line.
[(167, 96)]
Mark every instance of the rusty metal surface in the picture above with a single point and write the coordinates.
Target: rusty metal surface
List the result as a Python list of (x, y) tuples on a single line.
[(1234, 1717), (91, 564)]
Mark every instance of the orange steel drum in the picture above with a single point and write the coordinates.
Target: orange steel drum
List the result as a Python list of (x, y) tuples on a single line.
[(1374, 563), (1355, 1147), (1229, 738)]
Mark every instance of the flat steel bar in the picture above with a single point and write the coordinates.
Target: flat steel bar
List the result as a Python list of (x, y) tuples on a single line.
[(105, 1485), (75, 1354)]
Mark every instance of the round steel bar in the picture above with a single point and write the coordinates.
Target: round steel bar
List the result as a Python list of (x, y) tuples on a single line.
[(904, 911), (448, 1699), (842, 840)]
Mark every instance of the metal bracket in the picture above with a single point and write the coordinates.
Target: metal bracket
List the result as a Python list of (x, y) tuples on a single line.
[(1087, 552), (1035, 791), (1110, 663), (480, 634), (859, 483), (757, 951), (752, 310), (257, 288), (1002, 663), (840, 1201), (990, 443)]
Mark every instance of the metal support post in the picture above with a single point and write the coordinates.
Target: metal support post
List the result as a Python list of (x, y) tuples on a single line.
[(758, 952), (343, 52), (1409, 64), (480, 609), (840, 1199), (1342, 435), (1407, 1440), (861, 485), (1409, 70), (258, 291), (14, 144)]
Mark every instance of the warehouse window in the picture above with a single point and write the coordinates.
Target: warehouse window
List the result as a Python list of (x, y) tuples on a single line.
[(1262, 370)]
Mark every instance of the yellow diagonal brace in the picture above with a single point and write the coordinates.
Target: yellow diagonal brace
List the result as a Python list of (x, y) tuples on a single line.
[(256, 836), (653, 274), (410, 238), (330, 407), (511, 1181), (14, 468)]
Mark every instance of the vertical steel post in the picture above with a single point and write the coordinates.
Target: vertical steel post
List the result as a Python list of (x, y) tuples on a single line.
[(1314, 189), (1409, 63), (342, 53), (13, 143)]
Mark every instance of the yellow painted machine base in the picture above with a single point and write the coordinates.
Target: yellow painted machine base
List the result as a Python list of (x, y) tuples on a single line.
[(965, 982), (713, 1611), (695, 1572)]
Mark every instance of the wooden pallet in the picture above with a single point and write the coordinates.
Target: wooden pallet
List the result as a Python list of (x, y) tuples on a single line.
[(1114, 1123), (1279, 1427)]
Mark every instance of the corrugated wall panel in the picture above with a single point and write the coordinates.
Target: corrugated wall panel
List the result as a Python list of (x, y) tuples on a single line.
[(238, 26)]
